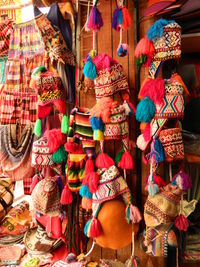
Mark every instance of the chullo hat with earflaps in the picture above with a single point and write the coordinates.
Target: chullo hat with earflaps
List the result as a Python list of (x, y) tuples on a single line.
[(50, 94), (162, 42), (111, 185)]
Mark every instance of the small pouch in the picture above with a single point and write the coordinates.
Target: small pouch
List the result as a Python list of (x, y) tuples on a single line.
[(172, 142)]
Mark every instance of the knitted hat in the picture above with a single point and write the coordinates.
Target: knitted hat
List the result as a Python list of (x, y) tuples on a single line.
[(111, 185), (41, 156), (46, 197), (110, 77), (163, 42), (162, 100), (161, 208), (50, 94)]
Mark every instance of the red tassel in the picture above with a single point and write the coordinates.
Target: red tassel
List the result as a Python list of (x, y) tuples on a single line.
[(72, 147), (89, 166), (86, 180), (55, 139), (144, 47), (95, 229), (34, 182), (126, 18), (86, 203), (158, 180), (66, 196), (181, 222), (104, 161), (93, 182), (126, 162)]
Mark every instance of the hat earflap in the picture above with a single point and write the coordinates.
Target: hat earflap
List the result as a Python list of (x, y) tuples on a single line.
[(38, 127)]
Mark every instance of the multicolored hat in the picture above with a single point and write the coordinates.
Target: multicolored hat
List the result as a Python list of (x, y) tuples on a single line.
[(162, 100), (50, 94), (41, 155), (162, 42), (111, 185), (110, 77), (46, 197)]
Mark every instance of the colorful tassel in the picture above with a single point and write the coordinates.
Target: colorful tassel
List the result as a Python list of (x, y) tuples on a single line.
[(182, 180), (126, 162), (145, 110), (144, 52), (156, 30), (89, 70), (115, 24), (98, 135), (60, 155), (93, 182), (154, 89), (84, 191), (65, 124), (93, 228), (126, 18), (60, 184), (104, 161), (95, 21), (152, 189), (86, 203), (181, 222), (157, 151), (35, 180), (66, 196), (89, 166), (157, 179), (38, 127)]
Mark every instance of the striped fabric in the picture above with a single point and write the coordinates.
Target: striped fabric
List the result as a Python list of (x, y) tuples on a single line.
[(26, 52), (5, 33)]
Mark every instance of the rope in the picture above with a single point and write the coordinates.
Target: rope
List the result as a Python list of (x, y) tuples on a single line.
[(91, 249)]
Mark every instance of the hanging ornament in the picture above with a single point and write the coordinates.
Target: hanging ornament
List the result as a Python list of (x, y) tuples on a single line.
[(121, 21)]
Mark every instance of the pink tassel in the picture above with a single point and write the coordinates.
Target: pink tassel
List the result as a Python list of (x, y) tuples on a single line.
[(104, 161), (135, 215), (89, 166), (66, 196), (154, 89), (34, 182), (95, 229), (126, 18), (144, 47), (126, 162), (86, 203), (93, 182), (181, 222)]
